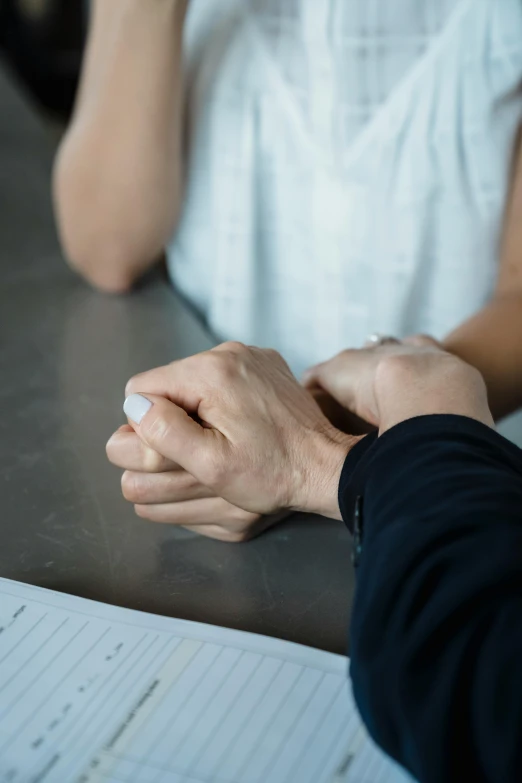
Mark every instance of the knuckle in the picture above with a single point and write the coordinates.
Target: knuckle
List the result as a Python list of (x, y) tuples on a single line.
[(236, 536), (242, 519), (141, 511), (244, 526), (132, 385), (152, 461), (275, 358), (213, 361), (131, 487), (223, 366), (397, 365), (150, 379), (235, 346), (424, 340), (231, 534), (157, 429), (185, 483), (112, 451), (400, 370)]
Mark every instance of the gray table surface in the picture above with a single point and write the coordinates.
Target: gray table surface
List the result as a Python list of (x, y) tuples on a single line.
[(65, 355)]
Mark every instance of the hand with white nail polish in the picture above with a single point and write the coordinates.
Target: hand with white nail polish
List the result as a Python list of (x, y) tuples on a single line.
[(161, 491), (235, 433)]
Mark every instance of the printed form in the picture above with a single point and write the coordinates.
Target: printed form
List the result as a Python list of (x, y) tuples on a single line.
[(91, 693)]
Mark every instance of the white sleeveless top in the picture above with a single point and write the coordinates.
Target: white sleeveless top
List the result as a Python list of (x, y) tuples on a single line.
[(348, 165)]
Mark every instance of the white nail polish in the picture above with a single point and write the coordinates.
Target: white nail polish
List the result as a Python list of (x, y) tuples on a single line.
[(136, 406)]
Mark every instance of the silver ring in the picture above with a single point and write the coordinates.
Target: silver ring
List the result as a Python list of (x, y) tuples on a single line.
[(376, 340)]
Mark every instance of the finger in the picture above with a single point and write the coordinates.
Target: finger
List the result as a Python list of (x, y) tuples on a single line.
[(127, 451), (378, 340), (207, 511), (309, 378), (182, 382), (315, 376), (157, 488), (335, 376), (169, 430), (178, 382), (157, 381), (220, 533), (241, 533), (422, 341)]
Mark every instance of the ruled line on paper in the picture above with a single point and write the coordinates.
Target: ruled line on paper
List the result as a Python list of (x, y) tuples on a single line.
[(291, 727), (34, 711), (124, 621), (190, 721), (231, 706), (248, 717), (112, 695), (22, 640), (252, 758), (86, 715), (162, 731), (10, 679), (5, 710)]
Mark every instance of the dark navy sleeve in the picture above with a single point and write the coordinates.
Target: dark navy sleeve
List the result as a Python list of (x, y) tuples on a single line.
[(436, 630)]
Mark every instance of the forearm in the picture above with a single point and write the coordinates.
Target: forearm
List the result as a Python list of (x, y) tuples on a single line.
[(435, 634), (491, 342), (118, 174)]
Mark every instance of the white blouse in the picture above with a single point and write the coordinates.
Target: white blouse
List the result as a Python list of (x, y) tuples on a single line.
[(348, 166)]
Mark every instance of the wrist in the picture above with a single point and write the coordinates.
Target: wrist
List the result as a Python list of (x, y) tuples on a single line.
[(407, 386), (317, 483)]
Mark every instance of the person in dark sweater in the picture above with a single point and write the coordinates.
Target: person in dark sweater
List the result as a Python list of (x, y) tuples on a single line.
[(434, 501)]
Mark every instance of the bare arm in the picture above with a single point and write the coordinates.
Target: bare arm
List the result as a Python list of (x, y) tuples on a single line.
[(118, 173), (492, 342), (492, 339)]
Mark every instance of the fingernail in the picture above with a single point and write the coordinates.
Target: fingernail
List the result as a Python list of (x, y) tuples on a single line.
[(136, 406)]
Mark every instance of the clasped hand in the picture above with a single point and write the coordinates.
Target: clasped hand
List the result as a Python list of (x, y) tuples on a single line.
[(227, 442)]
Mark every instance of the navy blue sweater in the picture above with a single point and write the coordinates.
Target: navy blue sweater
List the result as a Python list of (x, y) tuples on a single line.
[(436, 631)]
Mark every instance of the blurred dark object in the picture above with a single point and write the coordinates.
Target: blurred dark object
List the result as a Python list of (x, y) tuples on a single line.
[(43, 42)]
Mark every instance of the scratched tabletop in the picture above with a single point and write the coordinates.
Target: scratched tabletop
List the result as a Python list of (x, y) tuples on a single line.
[(66, 353)]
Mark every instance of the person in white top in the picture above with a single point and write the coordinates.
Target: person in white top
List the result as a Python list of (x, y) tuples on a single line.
[(316, 171)]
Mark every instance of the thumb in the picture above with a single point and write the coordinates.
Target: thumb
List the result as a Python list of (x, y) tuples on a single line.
[(167, 428)]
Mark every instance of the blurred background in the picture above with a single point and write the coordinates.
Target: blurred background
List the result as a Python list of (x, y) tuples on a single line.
[(41, 41)]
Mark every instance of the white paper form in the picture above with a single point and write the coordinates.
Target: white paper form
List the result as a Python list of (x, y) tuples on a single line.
[(91, 693)]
